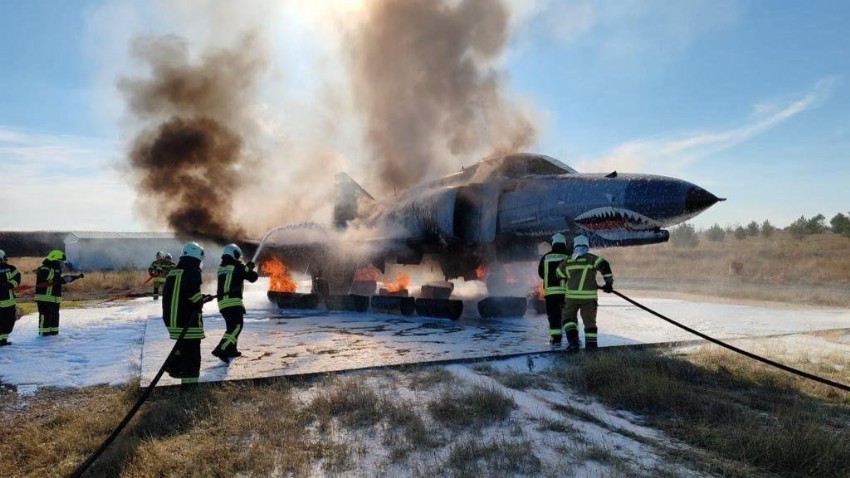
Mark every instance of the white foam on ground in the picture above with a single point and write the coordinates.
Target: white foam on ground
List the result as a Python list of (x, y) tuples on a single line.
[(112, 344)]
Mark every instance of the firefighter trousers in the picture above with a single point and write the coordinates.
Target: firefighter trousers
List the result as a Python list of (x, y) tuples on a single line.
[(48, 318), (185, 363), (234, 319), (7, 323), (554, 306), (587, 308)]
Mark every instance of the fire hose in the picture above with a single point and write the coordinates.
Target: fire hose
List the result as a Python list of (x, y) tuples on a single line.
[(66, 278), (751, 355), (78, 472)]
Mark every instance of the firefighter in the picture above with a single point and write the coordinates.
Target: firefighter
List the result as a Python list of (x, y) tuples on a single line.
[(10, 278), (158, 271), (48, 291), (579, 272), (553, 286), (182, 306), (231, 277)]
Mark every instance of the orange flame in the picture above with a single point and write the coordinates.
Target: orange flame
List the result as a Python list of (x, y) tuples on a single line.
[(369, 272), (401, 282), (537, 291), (480, 271), (279, 278)]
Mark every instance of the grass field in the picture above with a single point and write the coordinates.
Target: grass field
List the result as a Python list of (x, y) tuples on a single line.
[(813, 270), (732, 417)]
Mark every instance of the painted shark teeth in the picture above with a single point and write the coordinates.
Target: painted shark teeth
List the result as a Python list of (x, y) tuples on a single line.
[(611, 218)]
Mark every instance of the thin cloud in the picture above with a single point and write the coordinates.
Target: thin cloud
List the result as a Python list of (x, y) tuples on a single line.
[(35, 154), (671, 154), (66, 182), (628, 34)]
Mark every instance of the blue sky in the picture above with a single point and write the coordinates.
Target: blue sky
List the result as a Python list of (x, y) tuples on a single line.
[(750, 99)]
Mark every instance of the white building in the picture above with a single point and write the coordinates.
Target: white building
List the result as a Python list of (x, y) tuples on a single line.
[(126, 250)]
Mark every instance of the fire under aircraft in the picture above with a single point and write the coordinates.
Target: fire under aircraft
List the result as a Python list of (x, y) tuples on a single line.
[(496, 211)]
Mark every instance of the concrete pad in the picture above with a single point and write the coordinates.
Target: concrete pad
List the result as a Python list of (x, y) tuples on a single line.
[(281, 343)]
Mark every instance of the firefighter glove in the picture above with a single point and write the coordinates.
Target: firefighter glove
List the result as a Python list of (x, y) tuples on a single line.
[(608, 288), (250, 265)]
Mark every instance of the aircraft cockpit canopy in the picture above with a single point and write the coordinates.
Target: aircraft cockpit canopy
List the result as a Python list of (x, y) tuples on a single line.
[(517, 165)]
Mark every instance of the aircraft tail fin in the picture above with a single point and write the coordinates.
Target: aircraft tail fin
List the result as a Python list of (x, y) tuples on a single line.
[(349, 198)]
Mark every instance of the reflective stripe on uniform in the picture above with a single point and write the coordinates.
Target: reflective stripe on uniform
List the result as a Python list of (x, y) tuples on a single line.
[(547, 289), (175, 301), (228, 339), (227, 301)]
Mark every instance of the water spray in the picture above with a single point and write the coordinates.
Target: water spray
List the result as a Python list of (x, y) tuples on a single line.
[(288, 227)]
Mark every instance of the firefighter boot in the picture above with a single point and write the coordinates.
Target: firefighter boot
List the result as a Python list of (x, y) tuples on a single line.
[(221, 354), (591, 345), (572, 337)]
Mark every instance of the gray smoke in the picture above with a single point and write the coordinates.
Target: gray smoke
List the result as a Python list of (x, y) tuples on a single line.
[(423, 79)]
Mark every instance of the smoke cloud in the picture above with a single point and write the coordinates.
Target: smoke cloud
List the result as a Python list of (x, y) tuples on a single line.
[(424, 80), (222, 150), (191, 158)]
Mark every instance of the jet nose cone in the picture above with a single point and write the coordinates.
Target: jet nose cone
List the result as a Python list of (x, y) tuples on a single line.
[(698, 199)]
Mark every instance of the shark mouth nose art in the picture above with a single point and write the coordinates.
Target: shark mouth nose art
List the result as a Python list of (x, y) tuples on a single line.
[(610, 218)]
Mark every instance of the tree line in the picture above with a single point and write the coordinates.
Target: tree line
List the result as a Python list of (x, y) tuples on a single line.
[(685, 235)]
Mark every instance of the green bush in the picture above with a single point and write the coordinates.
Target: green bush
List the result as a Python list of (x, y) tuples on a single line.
[(684, 236), (715, 233)]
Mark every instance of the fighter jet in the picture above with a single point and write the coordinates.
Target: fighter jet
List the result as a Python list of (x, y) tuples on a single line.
[(499, 210)]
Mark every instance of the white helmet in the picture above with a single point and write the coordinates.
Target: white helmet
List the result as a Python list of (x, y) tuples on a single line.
[(193, 249), (168, 256), (2, 255), (233, 251), (559, 238), (160, 255), (581, 241)]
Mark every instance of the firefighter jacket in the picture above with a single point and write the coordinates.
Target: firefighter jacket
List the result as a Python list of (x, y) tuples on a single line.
[(10, 278), (552, 284), (48, 282), (580, 275), (232, 275), (159, 270), (182, 301)]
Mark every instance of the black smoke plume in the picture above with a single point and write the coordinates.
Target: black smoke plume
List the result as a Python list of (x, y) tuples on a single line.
[(190, 157)]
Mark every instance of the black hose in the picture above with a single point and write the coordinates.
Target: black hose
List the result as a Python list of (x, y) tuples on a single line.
[(751, 355), (130, 414)]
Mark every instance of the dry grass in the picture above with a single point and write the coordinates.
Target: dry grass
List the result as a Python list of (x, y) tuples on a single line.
[(756, 416), (812, 270), (466, 406), (757, 421)]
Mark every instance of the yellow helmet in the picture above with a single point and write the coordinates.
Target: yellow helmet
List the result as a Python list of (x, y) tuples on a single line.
[(55, 255)]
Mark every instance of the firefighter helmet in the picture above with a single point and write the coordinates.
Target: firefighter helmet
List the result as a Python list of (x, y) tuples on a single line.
[(232, 250), (160, 255), (55, 255), (581, 241), (193, 249), (559, 238), (2, 255), (168, 256)]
